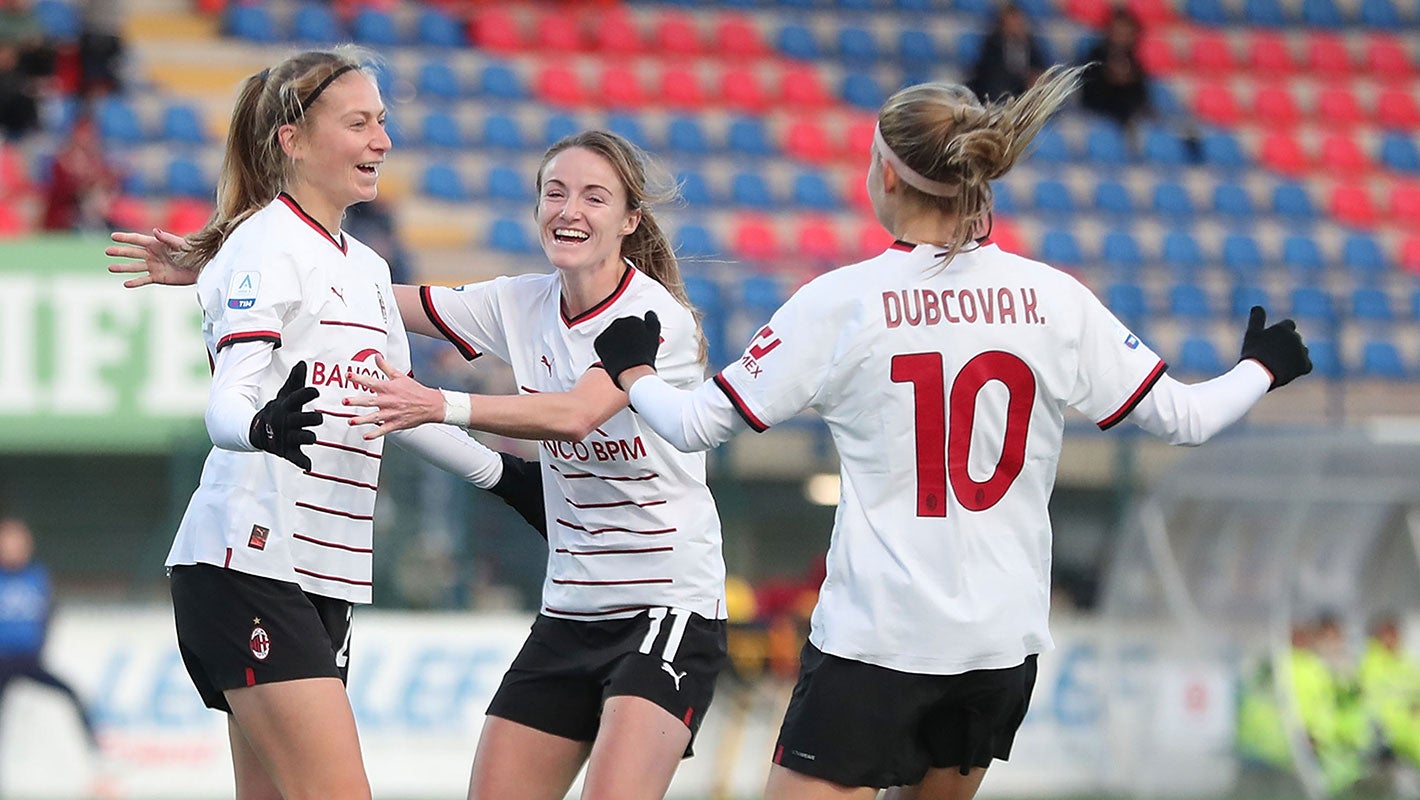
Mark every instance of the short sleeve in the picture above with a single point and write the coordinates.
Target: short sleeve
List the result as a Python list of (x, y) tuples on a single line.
[(249, 296), (1115, 369), (470, 316), (785, 365)]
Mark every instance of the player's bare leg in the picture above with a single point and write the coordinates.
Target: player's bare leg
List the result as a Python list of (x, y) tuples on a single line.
[(253, 781), (786, 784), (941, 784), (516, 762), (638, 747), (303, 733)]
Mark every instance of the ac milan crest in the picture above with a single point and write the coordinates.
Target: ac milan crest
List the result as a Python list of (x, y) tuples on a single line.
[(260, 642)]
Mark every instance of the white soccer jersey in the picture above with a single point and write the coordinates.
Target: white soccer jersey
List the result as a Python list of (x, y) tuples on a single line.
[(945, 392), (630, 521), (281, 278)]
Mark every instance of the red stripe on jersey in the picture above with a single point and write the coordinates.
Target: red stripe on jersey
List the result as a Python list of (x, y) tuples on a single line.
[(426, 299), (335, 545), (617, 504), (901, 245), (335, 512), (251, 676), (347, 448), (599, 307), (778, 753), (295, 207), (249, 336), (338, 479), (571, 475), (739, 404), (567, 613), (1153, 378), (335, 578), (598, 530), (354, 325), (689, 714), (621, 552), (627, 582), (347, 414), (227, 562)]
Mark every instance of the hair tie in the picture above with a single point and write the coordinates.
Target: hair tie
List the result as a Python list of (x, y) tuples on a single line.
[(263, 75), (329, 79), (909, 175)]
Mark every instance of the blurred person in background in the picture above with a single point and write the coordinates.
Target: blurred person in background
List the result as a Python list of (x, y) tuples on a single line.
[(19, 104), (82, 183), (276, 546), (1390, 690), (1115, 84), (1012, 57), (26, 604), (943, 368), (100, 47), (1328, 703)]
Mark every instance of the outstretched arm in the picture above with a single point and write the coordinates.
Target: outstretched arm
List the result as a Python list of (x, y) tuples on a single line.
[(517, 481)]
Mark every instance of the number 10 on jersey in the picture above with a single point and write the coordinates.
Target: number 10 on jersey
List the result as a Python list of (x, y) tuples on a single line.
[(943, 423)]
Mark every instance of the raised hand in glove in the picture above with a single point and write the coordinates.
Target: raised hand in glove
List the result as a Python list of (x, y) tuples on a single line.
[(629, 342), (281, 427), (1278, 348)]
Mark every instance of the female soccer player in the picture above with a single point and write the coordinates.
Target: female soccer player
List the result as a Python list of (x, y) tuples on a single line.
[(943, 368)]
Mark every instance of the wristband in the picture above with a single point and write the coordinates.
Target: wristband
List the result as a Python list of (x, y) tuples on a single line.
[(457, 408)]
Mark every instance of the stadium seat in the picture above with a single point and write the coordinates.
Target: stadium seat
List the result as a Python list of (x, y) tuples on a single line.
[(1397, 109), (1119, 250), (1363, 256), (1150, 13), (738, 37), (374, 27), (619, 87), (696, 240), (125, 212), (118, 121), (60, 22), (1163, 148), (1207, 12), (1242, 255), (1050, 147), (685, 135), (742, 90), (1321, 14), (441, 129), (1341, 155), (502, 132), (1351, 204), (443, 182), (1337, 105), (1403, 205), (1246, 295), (1053, 197), (1302, 257), (1112, 197), (510, 236), (1157, 54), (493, 28), (1399, 153), (855, 191), (1274, 106), (1210, 53), (1269, 55), (1216, 103), (695, 189), (1327, 54), (1282, 153), (799, 42), (181, 123), (1197, 355), (1372, 304), (501, 82), (507, 183), (557, 32), (857, 45), (802, 86), (761, 295), (1409, 260), (918, 48), (315, 23), (1380, 358), (1061, 249), (1380, 14), (186, 215), (859, 139), (1232, 200), (1326, 361), (1221, 150), (435, 28), (751, 190), (807, 140), (1171, 200), (1386, 58), (437, 80), (1105, 144), (812, 191), (559, 85), (968, 46), (872, 239), (747, 136), (1181, 253), (677, 34), (559, 126), (681, 89), (861, 90), (186, 178), (616, 33), (707, 298), (1127, 301), (1290, 199), (816, 238), (755, 239), (1311, 303)]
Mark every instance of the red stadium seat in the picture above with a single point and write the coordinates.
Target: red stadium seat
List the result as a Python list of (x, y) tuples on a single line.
[(1327, 54), (1151, 12), (1386, 58), (1215, 103), (14, 176), (1157, 54), (738, 37), (807, 140), (559, 85), (1093, 13), (1005, 235), (802, 86), (1269, 55), (855, 190), (872, 239), (620, 88), (1396, 108), (616, 32), (682, 89), (558, 31), (497, 31), (1340, 154), (1283, 153), (817, 239), (1410, 254), (859, 142), (754, 238), (186, 215), (1351, 204), (677, 34), (1337, 105), (1274, 106), (1210, 53), (741, 89), (1404, 205), (12, 222), (130, 213)]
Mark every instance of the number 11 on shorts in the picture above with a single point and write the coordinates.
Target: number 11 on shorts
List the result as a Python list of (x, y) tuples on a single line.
[(673, 637)]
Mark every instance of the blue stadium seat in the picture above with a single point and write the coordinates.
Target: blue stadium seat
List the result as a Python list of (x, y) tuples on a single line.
[(968, 47), (502, 132), (186, 179), (1164, 100), (1181, 252), (694, 189), (1003, 198), (1362, 255), (761, 295), (396, 130), (506, 183), (861, 89), (1245, 296), (1163, 148), (1241, 254), (443, 182), (1120, 250), (1037, 9), (509, 236), (1379, 14), (117, 121), (1060, 248), (1398, 152), (1290, 199), (315, 23), (1172, 200), (436, 79), (1053, 197), (1127, 301), (1207, 12), (1232, 200), (629, 127), (1380, 358), (374, 27), (181, 123), (501, 82), (559, 126), (705, 294), (1265, 13), (1309, 302), (752, 190), (441, 129), (696, 240), (1221, 150), (253, 23), (1302, 256), (1105, 144), (1190, 301), (798, 41), (857, 45), (917, 48), (1326, 361), (59, 21), (434, 28), (747, 136), (1050, 147), (811, 190), (1321, 14), (1197, 355), (1370, 303), (685, 135)]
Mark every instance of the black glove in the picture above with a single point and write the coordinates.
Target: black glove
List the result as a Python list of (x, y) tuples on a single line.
[(521, 488), (280, 427), (629, 342), (1278, 348)]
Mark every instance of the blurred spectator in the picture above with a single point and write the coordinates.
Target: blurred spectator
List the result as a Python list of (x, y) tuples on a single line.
[(20, 29), (1328, 703), (1011, 57), (373, 224), (25, 605), (100, 47), (81, 182), (1117, 86), (1390, 688), (19, 109)]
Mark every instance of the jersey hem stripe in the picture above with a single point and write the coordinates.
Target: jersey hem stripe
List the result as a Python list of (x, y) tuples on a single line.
[(249, 336), (355, 325), (613, 529), (335, 545), (465, 349), (1153, 378), (740, 407), (335, 512), (618, 552), (346, 481), (615, 504), (347, 448), (336, 578), (627, 582)]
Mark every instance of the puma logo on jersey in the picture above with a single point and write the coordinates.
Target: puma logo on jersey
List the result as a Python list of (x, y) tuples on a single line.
[(675, 676), (546, 362), (338, 293)]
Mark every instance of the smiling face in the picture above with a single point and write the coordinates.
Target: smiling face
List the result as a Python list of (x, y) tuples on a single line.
[(338, 151), (581, 211)]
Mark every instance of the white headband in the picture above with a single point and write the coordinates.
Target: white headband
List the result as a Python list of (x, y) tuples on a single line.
[(912, 177)]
